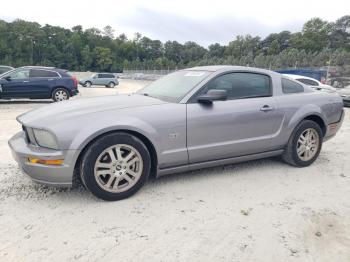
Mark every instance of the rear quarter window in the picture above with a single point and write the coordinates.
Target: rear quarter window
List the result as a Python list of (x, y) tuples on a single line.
[(291, 87), (308, 82), (42, 73)]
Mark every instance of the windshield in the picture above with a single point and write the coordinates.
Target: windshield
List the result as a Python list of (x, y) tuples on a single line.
[(175, 86)]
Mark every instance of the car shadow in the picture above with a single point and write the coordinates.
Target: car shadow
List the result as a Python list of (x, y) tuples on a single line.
[(212, 172)]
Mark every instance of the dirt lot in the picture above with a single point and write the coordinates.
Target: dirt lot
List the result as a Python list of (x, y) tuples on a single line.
[(258, 211)]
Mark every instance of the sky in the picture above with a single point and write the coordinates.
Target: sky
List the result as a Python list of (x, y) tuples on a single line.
[(205, 22)]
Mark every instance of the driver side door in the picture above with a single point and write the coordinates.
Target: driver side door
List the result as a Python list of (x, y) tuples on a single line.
[(16, 86), (241, 125)]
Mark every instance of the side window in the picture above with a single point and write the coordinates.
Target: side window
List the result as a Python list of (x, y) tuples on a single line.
[(42, 73), (241, 85), (308, 82), (290, 87), (100, 76), (20, 74)]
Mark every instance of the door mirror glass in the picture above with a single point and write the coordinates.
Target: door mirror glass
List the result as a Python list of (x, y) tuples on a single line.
[(212, 95)]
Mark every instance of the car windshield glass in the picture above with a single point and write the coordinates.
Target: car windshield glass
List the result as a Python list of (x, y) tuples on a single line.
[(175, 86)]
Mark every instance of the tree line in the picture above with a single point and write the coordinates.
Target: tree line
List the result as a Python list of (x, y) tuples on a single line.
[(319, 43)]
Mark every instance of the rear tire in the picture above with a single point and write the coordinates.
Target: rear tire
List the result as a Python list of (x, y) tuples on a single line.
[(60, 94), (111, 85), (115, 166), (304, 145)]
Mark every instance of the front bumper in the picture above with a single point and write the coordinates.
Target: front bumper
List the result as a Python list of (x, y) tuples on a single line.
[(333, 128), (60, 175)]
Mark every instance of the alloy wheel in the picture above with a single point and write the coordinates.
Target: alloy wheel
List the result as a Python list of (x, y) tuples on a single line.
[(307, 144), (118, 168), (61, 95)]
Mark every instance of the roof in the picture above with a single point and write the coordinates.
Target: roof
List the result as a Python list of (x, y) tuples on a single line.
[(42, 67)]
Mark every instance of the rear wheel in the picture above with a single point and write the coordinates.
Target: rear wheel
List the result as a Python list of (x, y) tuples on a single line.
[(60, 94), (115, 166), (111, 85), (305, 144)]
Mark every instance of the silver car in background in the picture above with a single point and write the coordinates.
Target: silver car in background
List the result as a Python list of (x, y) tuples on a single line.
[(100, 79), (194, 118), (313, 83)]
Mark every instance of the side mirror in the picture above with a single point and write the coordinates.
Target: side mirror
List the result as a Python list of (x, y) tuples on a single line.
[(213, 95), (8, 78)]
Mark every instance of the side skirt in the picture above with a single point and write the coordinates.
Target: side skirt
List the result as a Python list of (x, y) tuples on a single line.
[(220, 162)]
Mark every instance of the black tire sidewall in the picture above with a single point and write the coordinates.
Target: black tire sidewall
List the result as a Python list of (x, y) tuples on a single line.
[(299, 130), (89, 159), (110, 85), (59, 89)]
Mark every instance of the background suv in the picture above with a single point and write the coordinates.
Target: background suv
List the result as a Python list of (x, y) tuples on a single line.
[(38, 83), (101, 79)]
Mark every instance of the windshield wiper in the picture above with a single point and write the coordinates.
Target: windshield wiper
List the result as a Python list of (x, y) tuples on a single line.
[(146, 94)]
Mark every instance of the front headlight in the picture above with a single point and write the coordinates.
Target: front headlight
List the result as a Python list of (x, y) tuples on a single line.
[(45, 139)]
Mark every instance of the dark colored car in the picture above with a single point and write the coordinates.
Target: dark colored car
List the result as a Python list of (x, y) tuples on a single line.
[(38, 83), (4, 69)]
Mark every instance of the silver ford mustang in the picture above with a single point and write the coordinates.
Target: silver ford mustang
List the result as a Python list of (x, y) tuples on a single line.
[(194, 118)]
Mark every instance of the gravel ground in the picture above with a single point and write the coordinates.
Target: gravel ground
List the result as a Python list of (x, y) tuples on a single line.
[(257, 211)]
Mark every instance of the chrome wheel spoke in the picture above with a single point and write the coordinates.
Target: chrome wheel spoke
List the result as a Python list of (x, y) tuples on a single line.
[(129, 156), (110, 181), (119, 153), (133, 161), (132, 173), (103, 172), (127, 178), (301, 150), (116, 183), (111, 155), (104, 165)]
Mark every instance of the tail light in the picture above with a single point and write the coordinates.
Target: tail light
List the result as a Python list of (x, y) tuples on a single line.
[(75, 81)]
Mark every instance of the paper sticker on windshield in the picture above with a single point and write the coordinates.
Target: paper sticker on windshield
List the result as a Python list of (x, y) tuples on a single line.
[(194, 74)]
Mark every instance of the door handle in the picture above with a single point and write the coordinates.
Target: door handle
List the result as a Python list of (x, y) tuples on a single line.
[(50, 79), (266, 108), (25, 81)]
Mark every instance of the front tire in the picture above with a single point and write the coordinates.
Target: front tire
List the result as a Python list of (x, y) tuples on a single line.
[(304, 145), (88, 84), (60, 94), (115, 166)]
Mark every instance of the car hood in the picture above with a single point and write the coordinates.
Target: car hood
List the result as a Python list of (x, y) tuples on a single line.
[(61, 111)]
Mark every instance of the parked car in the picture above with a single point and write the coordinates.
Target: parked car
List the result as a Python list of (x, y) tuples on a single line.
[(313, 83), (100, 79), (345, 95), (319, 74), (194, 118), (38, 83), (4, 69), (339, 82)]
